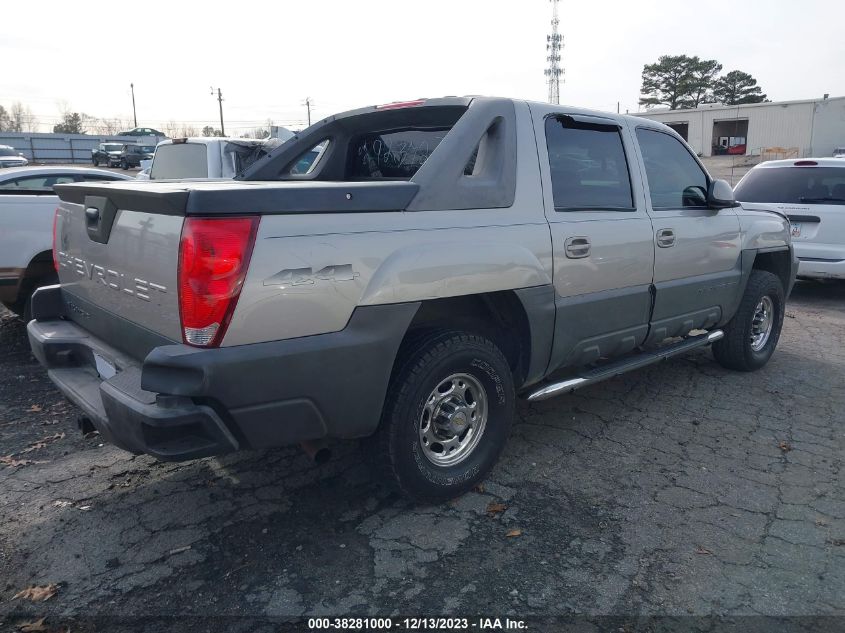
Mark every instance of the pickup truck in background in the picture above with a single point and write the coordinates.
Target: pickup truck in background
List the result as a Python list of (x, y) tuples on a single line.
[(436, 260), (132, 155), (109, 154), (27, 209)]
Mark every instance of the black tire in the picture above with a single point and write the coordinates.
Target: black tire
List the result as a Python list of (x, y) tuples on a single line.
[(96, 162), (23, 305), (124, 165), (13, 308), (397, 451), (735, 350)]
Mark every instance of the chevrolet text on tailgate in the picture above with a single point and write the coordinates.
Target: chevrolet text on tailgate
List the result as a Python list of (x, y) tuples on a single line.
[(401, 274)]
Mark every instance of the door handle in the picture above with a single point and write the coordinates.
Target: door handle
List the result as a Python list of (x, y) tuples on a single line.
[(665, 238), (577, 247)]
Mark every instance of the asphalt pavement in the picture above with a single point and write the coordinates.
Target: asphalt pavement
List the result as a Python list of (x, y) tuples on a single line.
[(680, 490)]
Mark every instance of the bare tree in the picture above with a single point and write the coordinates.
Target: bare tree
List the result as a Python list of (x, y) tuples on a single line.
[(171, 128), (180, 130), (21, 119), (108, 126), (261, 132)]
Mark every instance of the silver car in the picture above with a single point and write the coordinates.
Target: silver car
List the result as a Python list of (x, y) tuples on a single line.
[(10, 157)]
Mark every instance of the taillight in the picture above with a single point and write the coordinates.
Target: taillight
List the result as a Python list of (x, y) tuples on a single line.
[(55, 240), (213, 259)]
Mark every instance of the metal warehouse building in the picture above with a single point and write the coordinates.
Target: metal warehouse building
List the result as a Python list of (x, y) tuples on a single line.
[(785, 129)]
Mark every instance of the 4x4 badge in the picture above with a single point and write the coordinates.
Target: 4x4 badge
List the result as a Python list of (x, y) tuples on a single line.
[(305, 276)]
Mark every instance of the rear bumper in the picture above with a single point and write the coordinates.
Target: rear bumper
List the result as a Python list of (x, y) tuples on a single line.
[(182, 402), (126, 415), (820, 261), (821, 269)]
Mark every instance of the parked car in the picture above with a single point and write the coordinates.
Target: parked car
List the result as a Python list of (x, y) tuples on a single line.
[(811, 191), (132, 155), (108, 154), (839, 152), (27, 208), (439, 258), (11, 158), (142, 131), (207, 157)]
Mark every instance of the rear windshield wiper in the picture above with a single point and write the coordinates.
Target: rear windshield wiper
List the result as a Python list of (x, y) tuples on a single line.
[(821, 199)]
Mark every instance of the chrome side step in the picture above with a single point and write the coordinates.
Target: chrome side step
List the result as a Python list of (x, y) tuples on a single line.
[(620, 367)]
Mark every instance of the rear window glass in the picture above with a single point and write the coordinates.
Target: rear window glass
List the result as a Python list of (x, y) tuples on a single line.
[(393, 154), (807, 185), (182, 160)]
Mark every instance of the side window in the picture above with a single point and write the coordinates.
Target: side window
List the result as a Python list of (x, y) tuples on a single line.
[(588, 166), (307, 162), (95, 178), (675, 179), (38, 183)]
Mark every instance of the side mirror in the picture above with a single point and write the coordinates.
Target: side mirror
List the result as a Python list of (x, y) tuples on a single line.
[(720, 195)]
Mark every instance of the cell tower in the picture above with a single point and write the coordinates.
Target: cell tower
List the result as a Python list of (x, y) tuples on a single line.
[(554, 44)]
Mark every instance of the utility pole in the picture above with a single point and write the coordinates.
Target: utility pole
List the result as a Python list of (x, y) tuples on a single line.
[(134, 115), (220, 103), (308, 105), (554, 44)]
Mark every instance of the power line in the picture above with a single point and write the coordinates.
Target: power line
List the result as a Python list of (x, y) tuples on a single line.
[(554, 44)]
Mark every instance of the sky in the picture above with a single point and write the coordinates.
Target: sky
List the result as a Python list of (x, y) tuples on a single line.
[(267, 57)]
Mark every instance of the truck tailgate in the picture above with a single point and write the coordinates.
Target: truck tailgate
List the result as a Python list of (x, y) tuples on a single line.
[(118, 243), (118, 269)]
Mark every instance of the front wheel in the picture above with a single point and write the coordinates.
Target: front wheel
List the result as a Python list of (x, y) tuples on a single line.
[(96, 162), (752, 334), (446, 418), (124, 165)]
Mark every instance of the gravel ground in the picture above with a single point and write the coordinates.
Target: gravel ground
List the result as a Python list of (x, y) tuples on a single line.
[(680, 490)]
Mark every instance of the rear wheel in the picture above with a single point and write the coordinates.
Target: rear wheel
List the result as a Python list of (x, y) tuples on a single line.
[(96, 162), (124, 164), (23, 305), (753, 333), (446, 418)]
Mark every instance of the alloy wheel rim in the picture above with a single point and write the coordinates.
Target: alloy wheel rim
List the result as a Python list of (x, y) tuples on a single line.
[(453, 420)]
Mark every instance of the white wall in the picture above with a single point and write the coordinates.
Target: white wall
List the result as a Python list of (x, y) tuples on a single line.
[(828, 127), (788, 124)]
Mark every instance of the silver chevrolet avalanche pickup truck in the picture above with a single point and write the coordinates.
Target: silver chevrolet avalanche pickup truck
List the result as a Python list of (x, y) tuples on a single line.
[(402, 273)]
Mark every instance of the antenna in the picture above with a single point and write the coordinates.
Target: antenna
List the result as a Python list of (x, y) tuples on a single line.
[(554, 44)]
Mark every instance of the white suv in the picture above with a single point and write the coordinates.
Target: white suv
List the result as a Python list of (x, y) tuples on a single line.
[(811, 191)]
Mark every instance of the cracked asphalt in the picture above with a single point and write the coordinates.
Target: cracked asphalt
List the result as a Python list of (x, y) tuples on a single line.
[(682, 489)]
